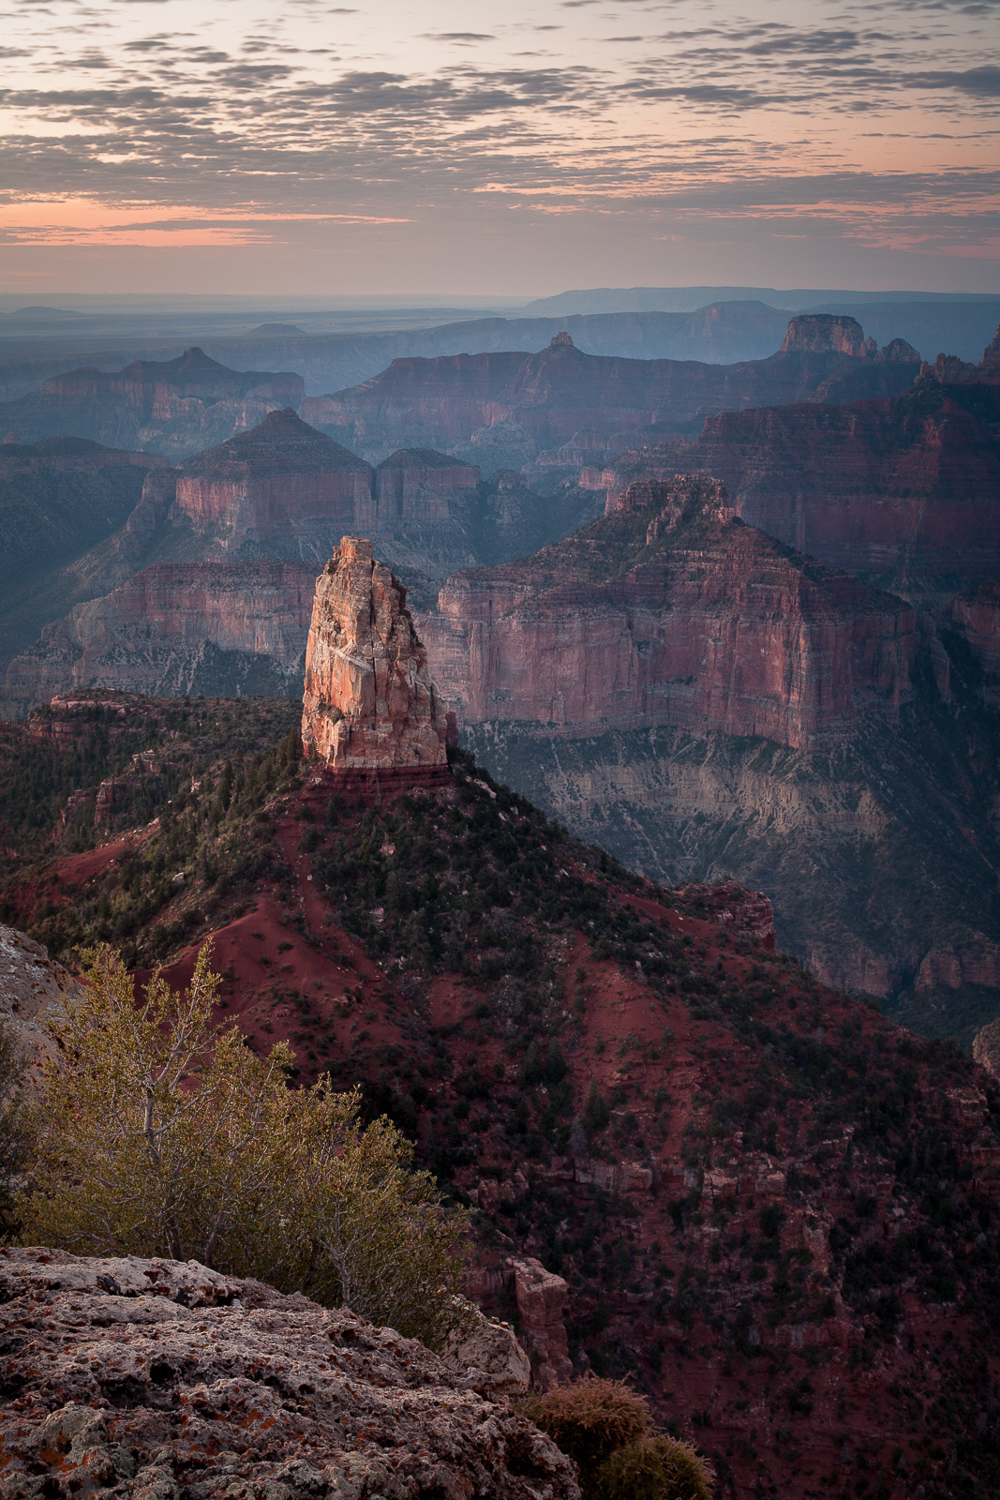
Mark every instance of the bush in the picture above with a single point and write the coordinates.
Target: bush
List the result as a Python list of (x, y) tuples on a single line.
[(590, 1420), (160, 1134), (658, 1468)]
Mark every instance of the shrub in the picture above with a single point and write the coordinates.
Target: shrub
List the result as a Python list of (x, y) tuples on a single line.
[(161, 1134), (590, 1420), (657, 1468)]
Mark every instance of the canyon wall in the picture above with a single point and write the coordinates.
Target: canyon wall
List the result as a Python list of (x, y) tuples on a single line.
[(175, 407), (670, 612), (550, 397), (901, 492), (698, 699), (976, 614), (222, 629), (277, 486)]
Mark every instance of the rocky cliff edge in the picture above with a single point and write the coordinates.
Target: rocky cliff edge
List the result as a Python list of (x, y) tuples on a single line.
[(156, 1378)]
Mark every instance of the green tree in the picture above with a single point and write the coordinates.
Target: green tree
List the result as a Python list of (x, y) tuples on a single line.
[(15, 1133), (159, 1133)]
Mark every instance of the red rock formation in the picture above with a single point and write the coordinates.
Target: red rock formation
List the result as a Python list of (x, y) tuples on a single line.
[(179, 406), (176, 628), (561, 392), (416, 487), (827, 333), (277, 482), (902, 492), (668, 612), (541, 1304), (369, 703)]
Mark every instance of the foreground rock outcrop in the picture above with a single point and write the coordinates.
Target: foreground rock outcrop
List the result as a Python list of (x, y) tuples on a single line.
[(153, 1378), (369, 702), (33, 990)]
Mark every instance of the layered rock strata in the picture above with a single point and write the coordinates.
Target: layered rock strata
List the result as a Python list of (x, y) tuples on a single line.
[(276, 486), (902, 492), (159, 1378), (222, 629), (670, 612), (174, 407), (369, 703), (544, 400)]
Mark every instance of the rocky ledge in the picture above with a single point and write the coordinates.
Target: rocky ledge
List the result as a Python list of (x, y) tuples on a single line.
[(168, 1381)]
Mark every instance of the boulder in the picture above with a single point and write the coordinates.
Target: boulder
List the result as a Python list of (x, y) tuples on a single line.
[(541, 1300), (152, 1378)]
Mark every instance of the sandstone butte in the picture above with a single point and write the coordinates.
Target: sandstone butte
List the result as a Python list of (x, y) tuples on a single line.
[(369, 704), (562, 391), (174, 407), (282, 477), (671, 612), (900, 491), (157, 1378)]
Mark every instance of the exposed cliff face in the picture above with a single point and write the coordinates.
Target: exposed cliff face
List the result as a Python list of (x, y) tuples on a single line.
[(902, 492), (282, 486), (548, 398), (418, 487), (669, 613), (698, 699), (174, 408), (369, 704), (220, 629), (279, 1397), (825, 333)]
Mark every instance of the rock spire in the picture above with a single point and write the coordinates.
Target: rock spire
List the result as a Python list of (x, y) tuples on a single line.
[(369, 702)]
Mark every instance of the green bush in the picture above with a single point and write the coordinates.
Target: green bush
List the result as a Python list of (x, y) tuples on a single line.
[(590, 1420), (657, 1468)]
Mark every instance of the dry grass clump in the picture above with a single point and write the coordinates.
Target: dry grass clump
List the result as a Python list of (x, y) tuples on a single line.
[(608, 1431), (590, 1420), (658, 1468)]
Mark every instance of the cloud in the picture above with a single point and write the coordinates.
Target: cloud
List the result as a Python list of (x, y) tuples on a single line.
[(984, 82)]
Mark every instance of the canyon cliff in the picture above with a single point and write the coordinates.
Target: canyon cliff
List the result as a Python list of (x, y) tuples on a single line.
[(671, 612), (369, 704), (219, 629), (902, 492), (281, 489), (976, 615), (701, 700), (175, 407), (542, 401)]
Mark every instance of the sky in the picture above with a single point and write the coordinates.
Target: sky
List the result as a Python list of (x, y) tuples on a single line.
[(296, 147)]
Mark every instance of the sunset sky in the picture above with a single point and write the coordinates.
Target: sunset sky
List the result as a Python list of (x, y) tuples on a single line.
[(226, 145)]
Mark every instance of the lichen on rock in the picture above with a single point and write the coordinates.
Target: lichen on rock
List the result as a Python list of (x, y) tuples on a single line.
[(129, 1377)]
